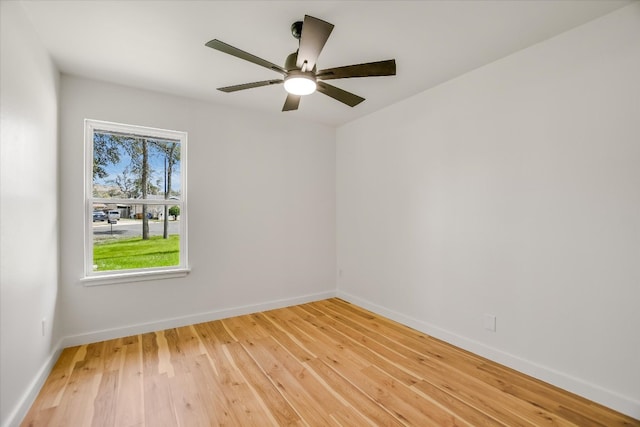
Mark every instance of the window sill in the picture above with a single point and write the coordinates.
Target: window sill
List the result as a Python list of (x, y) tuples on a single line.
[(137, 276)]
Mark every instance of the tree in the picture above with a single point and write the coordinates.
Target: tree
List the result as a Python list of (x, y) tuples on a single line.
[(144, 179), (174, 211), (126, 184), (105, 151), (171, 152), (138, 150)]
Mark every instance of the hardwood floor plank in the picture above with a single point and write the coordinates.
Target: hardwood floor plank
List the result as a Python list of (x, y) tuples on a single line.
[(279, 366), (130, 396), (189, 404), (58, 379), (349, 418), (468, 413), (208, 386), (105, 401), (286, 339), (113, 354), (41, 418), (77, 402), (150, 354), (550, 398), (159, 408), (244, 329), (281, 411), (376, 414), (219, 333), (402, 402), (370, 351), (326, 363), (241, 400)]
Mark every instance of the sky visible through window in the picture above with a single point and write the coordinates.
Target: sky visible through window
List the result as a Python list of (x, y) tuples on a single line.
[(119, 160)]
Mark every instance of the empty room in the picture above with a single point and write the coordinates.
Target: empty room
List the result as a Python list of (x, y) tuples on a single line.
[(320, 213)]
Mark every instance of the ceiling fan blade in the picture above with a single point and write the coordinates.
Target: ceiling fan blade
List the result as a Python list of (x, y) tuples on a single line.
[(250, 85), (291, 103), (371, 69), (223, 47), (339, 95), (315, 33)]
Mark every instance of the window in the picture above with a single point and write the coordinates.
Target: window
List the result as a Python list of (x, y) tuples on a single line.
[(135, 203)]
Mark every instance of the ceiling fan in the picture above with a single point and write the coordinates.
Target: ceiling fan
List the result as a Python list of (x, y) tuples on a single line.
[(301, 76)]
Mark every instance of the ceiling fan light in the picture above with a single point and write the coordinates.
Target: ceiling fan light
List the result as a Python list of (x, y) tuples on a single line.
[(300, 83)]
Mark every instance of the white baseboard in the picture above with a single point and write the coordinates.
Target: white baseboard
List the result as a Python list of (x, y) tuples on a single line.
[(20, 411), (611, 399), (142, 328)]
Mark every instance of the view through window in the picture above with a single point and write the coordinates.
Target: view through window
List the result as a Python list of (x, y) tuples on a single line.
[(136, 199)]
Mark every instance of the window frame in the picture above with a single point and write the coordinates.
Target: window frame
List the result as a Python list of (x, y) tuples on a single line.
[(91, 277)]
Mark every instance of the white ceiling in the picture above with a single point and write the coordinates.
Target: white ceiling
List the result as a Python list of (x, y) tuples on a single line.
[(159, 45)]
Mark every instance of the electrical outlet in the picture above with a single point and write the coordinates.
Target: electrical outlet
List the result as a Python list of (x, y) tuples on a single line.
[(489, 322)]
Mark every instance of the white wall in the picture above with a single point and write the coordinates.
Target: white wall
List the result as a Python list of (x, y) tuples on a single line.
[(28, 210), (261, 213), (513, 190)]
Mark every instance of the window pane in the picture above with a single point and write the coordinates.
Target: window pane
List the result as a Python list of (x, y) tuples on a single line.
[(136, 199), (120, 245), (135, 167)]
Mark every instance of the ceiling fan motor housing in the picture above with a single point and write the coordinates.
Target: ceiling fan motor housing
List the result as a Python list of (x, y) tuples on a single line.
[(291, 63)]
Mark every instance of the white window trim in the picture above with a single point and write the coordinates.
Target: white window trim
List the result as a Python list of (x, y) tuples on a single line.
[(135, 276), (93, 278)]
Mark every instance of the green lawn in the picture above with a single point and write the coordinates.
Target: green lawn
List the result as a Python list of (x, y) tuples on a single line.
[(123, 254)]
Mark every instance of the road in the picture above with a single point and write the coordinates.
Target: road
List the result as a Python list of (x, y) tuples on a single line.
[(132, 228)]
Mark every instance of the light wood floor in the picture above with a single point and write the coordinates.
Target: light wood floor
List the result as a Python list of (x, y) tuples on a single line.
[(327, 363)]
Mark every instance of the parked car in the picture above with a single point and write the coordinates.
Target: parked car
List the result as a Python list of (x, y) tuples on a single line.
[(113, 215), (99, 216)]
